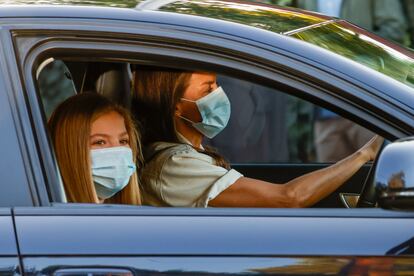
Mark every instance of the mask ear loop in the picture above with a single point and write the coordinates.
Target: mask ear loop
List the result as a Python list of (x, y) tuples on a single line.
[(187, 100), (184, 118)]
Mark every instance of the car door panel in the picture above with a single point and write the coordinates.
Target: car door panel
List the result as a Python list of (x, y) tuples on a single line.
[(188, 265), (7, 237), (9, 261), (236, 232), (179, 241)]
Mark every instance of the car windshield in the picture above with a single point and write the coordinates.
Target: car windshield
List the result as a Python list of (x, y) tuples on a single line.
[(351, 42)]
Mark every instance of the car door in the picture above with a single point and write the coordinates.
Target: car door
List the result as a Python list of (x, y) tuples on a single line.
[(72, 239), (69, 239)]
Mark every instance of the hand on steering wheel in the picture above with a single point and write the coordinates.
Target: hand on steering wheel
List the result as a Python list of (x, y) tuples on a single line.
[(372, 148)]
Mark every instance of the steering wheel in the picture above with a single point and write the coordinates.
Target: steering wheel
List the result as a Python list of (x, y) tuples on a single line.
[(368, 198)]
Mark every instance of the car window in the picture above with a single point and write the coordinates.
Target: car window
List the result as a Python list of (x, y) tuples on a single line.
[(270, 126), (267, 125)]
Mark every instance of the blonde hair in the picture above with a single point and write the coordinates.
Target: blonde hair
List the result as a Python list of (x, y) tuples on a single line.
[(70, 128)]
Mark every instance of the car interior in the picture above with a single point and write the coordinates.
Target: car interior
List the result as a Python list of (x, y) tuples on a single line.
[(269, 136)]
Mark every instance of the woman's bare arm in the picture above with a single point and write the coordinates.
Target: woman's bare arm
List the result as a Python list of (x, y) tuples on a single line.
[(303, 191)]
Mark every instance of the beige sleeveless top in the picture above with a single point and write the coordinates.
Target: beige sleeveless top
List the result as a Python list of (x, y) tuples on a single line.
[(178, 175)]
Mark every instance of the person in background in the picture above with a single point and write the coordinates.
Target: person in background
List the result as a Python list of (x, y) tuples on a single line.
[(334, 136), (97, 148), (383, 17), (408, 6)]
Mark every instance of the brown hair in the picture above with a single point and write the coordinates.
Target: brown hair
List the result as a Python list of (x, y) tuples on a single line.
[(156, 92), (70, 128)]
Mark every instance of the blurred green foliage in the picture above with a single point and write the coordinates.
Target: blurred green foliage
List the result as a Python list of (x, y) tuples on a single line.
[(271, 19), (362, 49)]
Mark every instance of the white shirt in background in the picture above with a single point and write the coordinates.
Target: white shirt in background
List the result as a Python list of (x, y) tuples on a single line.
[(330, 7)]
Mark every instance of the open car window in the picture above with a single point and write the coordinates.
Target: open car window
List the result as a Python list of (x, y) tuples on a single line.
[(266, 126), (271, 134)]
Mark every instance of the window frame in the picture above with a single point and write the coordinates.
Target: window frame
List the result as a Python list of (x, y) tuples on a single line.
[(272, 68)]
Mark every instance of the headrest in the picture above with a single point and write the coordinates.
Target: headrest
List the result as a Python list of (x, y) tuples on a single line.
[(109, 79)]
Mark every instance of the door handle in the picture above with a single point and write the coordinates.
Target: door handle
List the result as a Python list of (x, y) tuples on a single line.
[(93, 272)]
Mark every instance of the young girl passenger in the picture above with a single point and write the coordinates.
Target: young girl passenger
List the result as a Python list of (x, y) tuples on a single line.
[(97, 148)]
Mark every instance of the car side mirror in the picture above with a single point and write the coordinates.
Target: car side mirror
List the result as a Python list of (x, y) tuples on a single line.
[(394, 176)]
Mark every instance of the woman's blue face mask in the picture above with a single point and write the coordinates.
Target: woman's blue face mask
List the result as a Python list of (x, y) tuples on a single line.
[(215, 113)]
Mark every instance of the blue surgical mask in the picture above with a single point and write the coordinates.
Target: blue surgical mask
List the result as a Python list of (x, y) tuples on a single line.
[(215, 113), (111, 170)]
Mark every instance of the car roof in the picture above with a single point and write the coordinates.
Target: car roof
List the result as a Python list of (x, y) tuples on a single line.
[(96, 3), (263, 16)]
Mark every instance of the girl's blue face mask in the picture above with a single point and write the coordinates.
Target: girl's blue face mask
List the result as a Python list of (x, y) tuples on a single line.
[(111, 170), (215, 113)]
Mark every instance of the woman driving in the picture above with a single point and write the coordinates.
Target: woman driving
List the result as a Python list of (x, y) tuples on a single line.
[(177, 109), (97, 147)]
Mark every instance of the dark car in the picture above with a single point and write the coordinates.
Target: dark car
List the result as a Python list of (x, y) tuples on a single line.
[(282, 63)]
